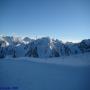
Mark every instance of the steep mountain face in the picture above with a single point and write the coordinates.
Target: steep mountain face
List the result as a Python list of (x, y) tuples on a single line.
[(84, 46), (2, 52), (39, 48), (43, 47)]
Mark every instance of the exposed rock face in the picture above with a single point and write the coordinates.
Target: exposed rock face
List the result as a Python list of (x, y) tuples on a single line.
[(43, 47)]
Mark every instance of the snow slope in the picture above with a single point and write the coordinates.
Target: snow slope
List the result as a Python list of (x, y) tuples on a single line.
[(64, 73)]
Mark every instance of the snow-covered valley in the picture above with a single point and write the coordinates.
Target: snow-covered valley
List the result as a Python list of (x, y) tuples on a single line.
[(62, 73)]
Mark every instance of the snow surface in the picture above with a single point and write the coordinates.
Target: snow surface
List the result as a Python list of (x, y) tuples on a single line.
[(62, 73)]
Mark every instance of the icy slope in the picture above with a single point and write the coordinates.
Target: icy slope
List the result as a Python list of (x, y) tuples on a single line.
[(67, 73)]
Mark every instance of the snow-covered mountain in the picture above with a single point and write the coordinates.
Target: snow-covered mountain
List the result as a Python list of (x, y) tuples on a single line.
[(43, 47)]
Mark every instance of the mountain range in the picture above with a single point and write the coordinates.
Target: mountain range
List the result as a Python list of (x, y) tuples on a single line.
[(44, 47)]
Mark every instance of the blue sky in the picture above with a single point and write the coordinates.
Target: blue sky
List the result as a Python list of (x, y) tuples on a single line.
[(62, 19)]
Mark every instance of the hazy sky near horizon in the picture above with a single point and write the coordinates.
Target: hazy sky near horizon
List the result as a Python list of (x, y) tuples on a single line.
[(62, 19)]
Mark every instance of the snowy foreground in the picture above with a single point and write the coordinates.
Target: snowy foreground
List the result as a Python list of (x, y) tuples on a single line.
[(62, 73)]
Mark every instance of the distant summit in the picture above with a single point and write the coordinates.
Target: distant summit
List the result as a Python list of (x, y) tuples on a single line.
[(27, 39)]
